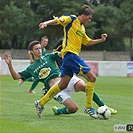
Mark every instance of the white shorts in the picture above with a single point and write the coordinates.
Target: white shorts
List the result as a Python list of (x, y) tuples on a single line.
[(64, 94)]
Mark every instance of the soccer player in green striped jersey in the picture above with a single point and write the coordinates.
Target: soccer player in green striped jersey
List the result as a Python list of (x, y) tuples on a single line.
[(44, 42)]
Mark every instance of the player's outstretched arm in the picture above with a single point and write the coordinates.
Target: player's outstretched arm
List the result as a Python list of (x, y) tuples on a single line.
[(8, 60), (46, 23), (96, 41)]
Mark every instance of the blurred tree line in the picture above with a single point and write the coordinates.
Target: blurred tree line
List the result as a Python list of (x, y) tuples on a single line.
[(19, 22)]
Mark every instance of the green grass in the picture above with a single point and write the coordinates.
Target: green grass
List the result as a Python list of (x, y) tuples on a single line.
[(18, 114)]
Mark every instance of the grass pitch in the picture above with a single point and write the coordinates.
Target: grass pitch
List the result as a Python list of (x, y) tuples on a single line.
[(18, 114)]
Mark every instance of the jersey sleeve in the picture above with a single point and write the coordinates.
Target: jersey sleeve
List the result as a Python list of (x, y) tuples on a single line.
[(25, 74), (64, 20), (86, 40)]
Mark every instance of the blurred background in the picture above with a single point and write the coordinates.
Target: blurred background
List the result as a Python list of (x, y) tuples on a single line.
[(19, 25)]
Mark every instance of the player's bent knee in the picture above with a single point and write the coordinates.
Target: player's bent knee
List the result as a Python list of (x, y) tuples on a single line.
[(84, 86), (73, 109), (93, 79), (62, 86)]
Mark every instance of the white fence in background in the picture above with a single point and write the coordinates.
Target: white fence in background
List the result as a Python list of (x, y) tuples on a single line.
[(19, 54), (100, 68)]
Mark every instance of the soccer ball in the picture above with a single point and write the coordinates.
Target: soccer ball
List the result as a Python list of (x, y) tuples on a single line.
[(103, 112)]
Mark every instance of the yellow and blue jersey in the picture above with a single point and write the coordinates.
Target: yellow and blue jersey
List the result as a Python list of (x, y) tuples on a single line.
[(74, 34)]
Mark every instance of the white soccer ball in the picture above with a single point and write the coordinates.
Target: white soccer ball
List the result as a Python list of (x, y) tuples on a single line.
[(103, 112)]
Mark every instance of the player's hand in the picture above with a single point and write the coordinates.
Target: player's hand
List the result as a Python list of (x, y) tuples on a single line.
[(7, 58), (42, 25), (104, 36)]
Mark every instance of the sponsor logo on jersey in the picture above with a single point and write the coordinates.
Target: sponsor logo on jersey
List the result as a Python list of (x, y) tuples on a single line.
[(44, 73), (79, 33)]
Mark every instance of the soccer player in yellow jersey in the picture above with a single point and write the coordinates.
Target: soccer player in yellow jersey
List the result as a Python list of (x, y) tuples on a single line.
[(74, 37)]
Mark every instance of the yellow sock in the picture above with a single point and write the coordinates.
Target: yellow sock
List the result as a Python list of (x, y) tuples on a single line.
[(50, 94), (89, 94)]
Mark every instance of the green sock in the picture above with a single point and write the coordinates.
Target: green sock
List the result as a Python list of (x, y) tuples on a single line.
[(34, 85), (97, 100), (63, 111)]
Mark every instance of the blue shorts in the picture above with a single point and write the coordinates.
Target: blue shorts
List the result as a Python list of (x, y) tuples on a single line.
[(73, 64)]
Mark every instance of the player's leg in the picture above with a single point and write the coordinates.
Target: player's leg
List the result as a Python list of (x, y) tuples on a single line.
[(31, 79), (63, 97), (99, 102), (79, 85), (55, 89), (51, 93), (97, 99), (70, 107), (33, 86), (79, 66), (91, 78)]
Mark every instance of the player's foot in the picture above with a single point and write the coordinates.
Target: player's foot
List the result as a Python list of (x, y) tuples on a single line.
[(31, 92), (20, 82), (55, 110), (91, 112), (39, 108), (113, 111)]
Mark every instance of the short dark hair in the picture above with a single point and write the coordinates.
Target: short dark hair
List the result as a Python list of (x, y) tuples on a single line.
[(86, 10), (44, 37), (32, 44)]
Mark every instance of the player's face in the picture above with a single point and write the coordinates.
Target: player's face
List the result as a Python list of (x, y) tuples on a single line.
[(37, 51), (86, 19), (44, 43)]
